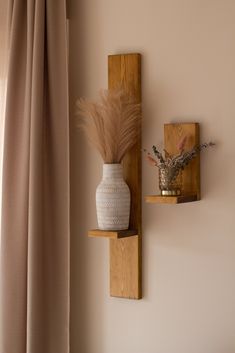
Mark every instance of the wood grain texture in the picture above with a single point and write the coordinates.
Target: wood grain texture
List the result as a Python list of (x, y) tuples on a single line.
[(173, 133), (112, 234), (125, 71), (124, 268), (125, 254)]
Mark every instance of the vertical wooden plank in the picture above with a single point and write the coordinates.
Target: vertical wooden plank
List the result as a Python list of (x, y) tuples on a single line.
[(173, 133), (124, 268), (125, 254)]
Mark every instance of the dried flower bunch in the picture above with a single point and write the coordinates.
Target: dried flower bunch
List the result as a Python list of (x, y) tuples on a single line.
[(174, 163), (112, 125)]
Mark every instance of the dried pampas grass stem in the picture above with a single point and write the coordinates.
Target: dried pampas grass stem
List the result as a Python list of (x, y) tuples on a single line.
[(112, 125)]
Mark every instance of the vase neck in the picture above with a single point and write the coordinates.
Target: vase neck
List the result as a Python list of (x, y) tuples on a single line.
[(114, 171)]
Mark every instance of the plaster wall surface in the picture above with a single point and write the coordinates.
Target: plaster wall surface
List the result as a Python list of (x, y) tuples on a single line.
[(188, 75)]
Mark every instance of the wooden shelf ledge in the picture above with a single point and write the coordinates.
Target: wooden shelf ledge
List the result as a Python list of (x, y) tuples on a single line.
[(112, 234), (170, 199)]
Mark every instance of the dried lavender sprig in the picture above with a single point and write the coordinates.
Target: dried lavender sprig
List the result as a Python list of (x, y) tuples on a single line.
[(180, 160), (158, 154), (204, 145), (149, 158), (183, 159)]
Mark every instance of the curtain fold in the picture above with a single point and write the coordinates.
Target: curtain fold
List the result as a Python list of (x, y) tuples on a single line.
[(3, 80), (35, 203)]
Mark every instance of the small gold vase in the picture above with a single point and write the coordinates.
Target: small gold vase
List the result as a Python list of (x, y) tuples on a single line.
[(170, 181)]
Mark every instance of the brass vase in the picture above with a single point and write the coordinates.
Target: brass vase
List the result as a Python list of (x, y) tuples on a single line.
[(170, 181)]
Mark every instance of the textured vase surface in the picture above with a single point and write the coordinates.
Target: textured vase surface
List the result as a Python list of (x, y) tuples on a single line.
[(170, 181), (113, 199)]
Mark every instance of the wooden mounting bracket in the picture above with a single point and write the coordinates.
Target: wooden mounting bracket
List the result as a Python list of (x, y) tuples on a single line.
[(173, 133), (125, 246)]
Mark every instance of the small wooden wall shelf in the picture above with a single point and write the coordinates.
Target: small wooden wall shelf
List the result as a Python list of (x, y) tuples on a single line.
[(170, 199), (125, 246), (191, 174)]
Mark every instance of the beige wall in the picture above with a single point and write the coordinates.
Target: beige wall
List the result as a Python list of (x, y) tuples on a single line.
[(188, 74)]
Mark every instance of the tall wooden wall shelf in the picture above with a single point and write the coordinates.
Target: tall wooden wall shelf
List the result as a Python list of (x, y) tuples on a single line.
[(125, 246), (191, 174)]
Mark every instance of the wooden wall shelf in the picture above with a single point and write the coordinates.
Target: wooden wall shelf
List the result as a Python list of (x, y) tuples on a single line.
[(112, 234), (173, 133), (170, 199), (125, 246)]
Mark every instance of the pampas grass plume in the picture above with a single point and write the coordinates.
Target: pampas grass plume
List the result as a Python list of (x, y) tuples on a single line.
[(112, 124)]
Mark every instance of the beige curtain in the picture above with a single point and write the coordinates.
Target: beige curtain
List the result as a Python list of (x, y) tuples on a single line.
[(35, 205), (3, 80)]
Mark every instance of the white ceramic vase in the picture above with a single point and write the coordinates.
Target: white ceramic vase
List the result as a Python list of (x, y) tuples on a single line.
[(113, 199)]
